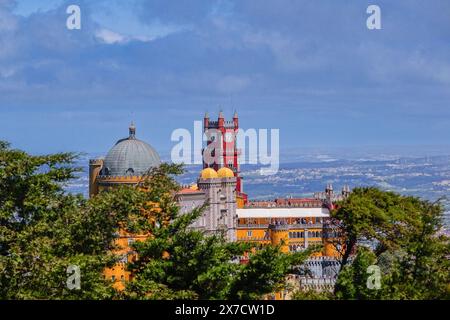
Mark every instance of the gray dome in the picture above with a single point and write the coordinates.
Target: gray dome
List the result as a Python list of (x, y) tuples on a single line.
[(130, 157)]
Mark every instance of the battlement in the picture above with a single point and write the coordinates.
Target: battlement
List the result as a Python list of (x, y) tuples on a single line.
[(314, 259), (96, 161), (285, 227), (226, 125), (229, 123), (209, 181), (286, 203)]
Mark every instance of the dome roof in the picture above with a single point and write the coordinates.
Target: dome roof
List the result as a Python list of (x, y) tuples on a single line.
[(225, 173), (130, 157), (208, 173)]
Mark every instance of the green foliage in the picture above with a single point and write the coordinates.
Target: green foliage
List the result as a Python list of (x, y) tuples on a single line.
[(312, 295), (407, 246), (352, 281), (176, 262), (188, 264), (43, 230), (265, 272)]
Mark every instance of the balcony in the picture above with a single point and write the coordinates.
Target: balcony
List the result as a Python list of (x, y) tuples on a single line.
[(252, 226), (296, 226), (250, 239)]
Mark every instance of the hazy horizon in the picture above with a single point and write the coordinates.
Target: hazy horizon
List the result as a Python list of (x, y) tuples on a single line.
[(311, 69)]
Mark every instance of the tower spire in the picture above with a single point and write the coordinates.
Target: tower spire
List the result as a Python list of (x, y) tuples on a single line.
[(132, 130)]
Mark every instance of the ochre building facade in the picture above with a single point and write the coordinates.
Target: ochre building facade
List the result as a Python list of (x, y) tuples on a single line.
[(293, 223)]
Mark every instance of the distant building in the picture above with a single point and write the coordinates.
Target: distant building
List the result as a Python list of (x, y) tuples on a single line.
[(127, 161), (221, 146), (218, 190), (293, 223), (125, 164)]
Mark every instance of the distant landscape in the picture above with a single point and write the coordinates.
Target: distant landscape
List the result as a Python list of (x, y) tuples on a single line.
[(302, 175)]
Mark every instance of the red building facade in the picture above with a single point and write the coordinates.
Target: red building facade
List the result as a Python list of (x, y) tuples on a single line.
[(221, 147)]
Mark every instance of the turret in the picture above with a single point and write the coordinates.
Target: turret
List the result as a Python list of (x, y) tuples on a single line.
[(329, 189), (225, 151), (221, 120), (236, 120), (345, 191), (95, 166), (205, 121), (329, 193)]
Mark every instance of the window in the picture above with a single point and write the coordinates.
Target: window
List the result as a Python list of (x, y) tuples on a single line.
[(124, 258), (130, 241), (113, 278), (315, 234), (249, 233)]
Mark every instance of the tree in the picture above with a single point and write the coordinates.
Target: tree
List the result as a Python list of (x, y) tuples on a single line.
[(353, 279), (404, 241), (176, 262), (43, 230), (421, 268), (312, 294)]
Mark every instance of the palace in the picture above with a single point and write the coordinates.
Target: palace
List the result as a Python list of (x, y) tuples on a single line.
[(293, 223)]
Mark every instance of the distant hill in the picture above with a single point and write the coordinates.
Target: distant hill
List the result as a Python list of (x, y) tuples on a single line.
[(427, 177)]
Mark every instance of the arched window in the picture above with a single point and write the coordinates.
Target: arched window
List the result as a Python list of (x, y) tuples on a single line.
[(130, 171)]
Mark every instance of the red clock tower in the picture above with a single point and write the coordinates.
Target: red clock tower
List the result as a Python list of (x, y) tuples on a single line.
[(222, 147)]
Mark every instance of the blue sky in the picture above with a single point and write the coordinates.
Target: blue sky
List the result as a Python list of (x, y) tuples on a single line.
[(310, 68)]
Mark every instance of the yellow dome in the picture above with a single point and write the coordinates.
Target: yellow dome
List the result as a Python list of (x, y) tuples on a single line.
[(194, 187), (225, 173), (209, 173)]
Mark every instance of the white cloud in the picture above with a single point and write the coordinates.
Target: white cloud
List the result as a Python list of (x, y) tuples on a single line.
[(8, 25), (110, 37)]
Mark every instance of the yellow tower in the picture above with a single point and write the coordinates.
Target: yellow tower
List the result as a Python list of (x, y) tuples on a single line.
[(95, 167), (279, 235)]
